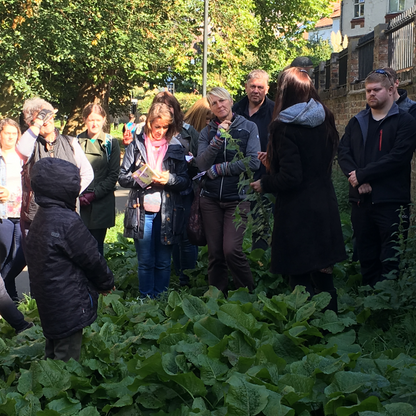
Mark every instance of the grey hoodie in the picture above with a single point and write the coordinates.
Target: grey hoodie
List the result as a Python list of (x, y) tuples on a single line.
[(310, 114)]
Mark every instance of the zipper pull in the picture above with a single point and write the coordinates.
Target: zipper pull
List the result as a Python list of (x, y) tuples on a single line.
[(380, 140)]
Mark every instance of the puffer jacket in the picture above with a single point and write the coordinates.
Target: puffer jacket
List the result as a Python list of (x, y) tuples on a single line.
[(225, 188), (172, 209), (65, 268)]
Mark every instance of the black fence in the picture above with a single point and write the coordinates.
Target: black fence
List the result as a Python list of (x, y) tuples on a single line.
[(365, 55), (343, 68), (401, 40)]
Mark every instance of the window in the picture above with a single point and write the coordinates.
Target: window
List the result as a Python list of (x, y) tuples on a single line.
[(396, 5), (359, 8)]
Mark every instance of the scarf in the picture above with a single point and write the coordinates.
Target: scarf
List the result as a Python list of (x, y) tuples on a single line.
[(156, 151)]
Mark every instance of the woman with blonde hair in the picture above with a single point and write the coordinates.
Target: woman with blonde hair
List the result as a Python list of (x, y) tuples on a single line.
[(199, 115), (221, 193), (154, 216)]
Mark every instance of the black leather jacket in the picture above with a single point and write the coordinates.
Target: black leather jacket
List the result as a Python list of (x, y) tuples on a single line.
[(172, 210)]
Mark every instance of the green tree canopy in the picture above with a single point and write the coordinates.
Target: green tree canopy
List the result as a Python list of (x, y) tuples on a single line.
[(72, 52)]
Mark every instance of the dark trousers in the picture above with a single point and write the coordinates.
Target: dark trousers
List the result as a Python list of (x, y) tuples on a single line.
[(376, 229), (9, 311), (64, 348), (225, 243), (184, 253), (99, 235)]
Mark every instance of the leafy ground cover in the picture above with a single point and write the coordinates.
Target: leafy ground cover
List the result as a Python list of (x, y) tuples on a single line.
[(272, 352)]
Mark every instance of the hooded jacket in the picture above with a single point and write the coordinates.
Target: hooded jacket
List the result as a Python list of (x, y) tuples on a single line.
[(382, 161), (172, 209), (225, 188), (307, 233), (65, 268)]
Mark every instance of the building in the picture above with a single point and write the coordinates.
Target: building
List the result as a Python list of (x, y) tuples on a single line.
[(359, 17)]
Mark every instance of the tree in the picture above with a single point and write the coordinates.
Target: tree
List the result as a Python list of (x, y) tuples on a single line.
[(73, 52)]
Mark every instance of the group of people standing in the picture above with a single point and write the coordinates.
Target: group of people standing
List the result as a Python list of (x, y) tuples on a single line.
[(290, 145)]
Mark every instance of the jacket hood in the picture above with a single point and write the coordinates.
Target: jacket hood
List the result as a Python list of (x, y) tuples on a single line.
[(55, 181), (310, 114)]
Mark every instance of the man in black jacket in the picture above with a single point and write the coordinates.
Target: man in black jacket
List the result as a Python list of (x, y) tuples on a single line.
[(400, 95), (375, 154), (258, 108)]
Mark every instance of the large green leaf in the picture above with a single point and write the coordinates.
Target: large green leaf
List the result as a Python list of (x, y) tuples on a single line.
[(349, 382), (194, 308), (211, 370), (232, 316), (244, 398), (211, 330), (65, 406)]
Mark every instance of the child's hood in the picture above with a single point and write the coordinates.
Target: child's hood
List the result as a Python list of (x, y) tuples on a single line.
[(55, 180)]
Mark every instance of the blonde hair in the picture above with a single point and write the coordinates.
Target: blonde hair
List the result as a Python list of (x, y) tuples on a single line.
[(220, 93), (197, 115), (162, 111), (9, 122)]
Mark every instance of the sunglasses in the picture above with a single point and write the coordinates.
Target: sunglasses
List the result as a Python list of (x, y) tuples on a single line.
[(380, 71)]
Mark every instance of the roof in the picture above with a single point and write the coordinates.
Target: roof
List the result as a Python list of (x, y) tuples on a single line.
[(327, 21)]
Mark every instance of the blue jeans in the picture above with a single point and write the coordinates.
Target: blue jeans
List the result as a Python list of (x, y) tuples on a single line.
[(154, 258), (14, 260), (185, 254)]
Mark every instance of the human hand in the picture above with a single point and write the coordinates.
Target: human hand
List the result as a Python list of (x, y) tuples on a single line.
[(86, 199), (262, 156), (162, 178), (365, 188), (225, 125), (4, 194), (353, 178), (44, 116), (107, 292), (257, 186)]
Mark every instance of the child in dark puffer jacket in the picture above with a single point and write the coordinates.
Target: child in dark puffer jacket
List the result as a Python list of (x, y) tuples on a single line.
[(66, 271)]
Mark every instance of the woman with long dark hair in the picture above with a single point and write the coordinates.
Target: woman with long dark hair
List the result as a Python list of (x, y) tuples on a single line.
[(307, 236)]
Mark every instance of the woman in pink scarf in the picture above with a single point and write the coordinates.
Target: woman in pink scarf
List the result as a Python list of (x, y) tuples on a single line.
[(155, 169)]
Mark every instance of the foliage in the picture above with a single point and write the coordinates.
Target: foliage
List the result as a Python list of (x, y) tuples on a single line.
[(245, 355), (76, 51)]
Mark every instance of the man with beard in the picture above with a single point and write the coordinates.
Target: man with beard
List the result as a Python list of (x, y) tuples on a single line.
[(375, 154)]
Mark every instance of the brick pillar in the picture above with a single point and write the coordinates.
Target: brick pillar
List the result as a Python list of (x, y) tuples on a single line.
[(381, 47)]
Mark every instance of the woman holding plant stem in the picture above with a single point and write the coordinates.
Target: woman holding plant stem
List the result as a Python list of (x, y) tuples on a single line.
[(307, 236), (222, 146), (154, 216)]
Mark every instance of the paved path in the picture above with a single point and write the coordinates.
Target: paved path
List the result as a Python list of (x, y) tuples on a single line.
[(22, 281)]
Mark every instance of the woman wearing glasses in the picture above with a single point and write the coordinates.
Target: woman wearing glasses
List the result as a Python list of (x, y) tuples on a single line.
[(42, 140), (307, 236)]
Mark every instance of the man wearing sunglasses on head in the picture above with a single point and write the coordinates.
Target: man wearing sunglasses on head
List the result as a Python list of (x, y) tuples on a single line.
[(375, 154)]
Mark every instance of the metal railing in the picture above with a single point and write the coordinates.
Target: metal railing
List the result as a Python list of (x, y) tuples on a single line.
[(401, 40), (342, 67), (365, 55)]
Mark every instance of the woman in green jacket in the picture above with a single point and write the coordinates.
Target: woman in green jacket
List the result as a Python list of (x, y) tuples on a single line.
[(103, 152)]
